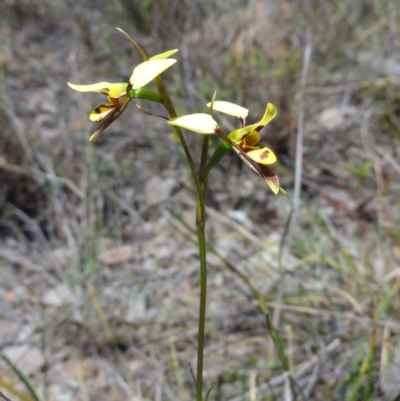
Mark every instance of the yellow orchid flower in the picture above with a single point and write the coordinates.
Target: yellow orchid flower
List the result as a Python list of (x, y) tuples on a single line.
[(243, 140), (118, 94)]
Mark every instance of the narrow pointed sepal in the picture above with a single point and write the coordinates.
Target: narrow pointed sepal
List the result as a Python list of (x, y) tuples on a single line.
[(165, 55)]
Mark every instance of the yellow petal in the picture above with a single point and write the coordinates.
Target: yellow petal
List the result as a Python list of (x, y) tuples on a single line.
[(107, 88), (199, 122), (263, 171), (230, 108), (271, 179), (100, 112), (110, 118), (148, 70), (262, 156), (273, 183), (165, 55), (270, 113), (238, 135)]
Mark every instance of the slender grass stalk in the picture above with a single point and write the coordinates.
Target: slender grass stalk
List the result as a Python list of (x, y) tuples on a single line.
[(23, 377), (10, 387), (275, 336)]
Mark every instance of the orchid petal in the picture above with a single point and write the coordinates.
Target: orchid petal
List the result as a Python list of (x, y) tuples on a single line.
[(271, 179), (230, 108), (165, 55), (273, 183), (110, 118), (102, 111), (270, 113), (199, 122), (148, 70), (106, 88), (261, 170), (262, 156), (238, 135)]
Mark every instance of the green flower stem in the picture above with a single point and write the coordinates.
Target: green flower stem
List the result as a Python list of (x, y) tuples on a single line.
[(201, 185), (201, 241), (203, 164)]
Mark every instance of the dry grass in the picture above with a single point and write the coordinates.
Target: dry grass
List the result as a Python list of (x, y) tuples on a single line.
[(98, 270)]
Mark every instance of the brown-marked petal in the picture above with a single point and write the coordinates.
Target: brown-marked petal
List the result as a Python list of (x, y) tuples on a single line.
[(273, 183), (101, 112), (263, 171), (271, 179), (262, 155), (111, 117)]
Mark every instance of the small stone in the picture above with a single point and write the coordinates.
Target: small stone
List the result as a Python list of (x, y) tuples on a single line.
[(159, 190), (58, 296), (331, 118), (117, 255)]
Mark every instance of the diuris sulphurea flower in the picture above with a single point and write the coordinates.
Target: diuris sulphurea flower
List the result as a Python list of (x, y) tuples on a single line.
[(242, 140), (120, 94)]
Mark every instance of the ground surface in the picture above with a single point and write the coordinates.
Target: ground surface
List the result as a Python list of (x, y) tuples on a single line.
[(98, 268)]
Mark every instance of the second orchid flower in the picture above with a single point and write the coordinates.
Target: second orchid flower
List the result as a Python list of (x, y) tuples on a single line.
[(243, 140)]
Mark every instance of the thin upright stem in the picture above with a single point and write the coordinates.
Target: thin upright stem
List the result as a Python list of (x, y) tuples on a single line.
[(200, 228), (201, 185), (201, 240)]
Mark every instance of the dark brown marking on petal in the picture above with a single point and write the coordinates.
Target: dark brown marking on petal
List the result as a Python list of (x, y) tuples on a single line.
[(100, 109), (264, 155), (106, 91), (267, 171), (255, 167), (110, 118)]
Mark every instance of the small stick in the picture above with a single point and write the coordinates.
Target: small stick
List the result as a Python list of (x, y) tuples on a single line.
[(3, 396)]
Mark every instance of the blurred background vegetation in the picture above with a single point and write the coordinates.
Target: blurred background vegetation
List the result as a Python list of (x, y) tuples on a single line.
[(99, 280)]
